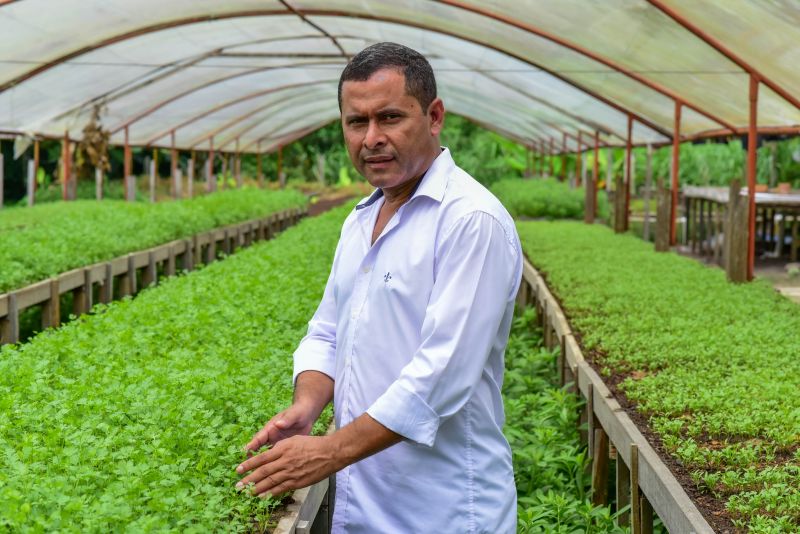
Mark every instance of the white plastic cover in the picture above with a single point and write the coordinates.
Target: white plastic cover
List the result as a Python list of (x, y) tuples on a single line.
[(259, 73)]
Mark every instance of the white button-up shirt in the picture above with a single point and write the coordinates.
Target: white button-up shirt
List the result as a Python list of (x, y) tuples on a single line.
[(413, 330)]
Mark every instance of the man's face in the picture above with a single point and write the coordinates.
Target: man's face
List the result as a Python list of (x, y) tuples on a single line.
[(389, 137)]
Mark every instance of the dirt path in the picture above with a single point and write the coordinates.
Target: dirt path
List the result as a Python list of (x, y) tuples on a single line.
[(327, 202)]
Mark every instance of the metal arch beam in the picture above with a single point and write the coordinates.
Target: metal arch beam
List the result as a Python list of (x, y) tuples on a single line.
[(235, 101), (251, 114), (278, 128), (173, 98), (291, 137), (717, 45), (316, 27), (591, 55), (530, 129), (580, 120), (322, 12), (180, 67)]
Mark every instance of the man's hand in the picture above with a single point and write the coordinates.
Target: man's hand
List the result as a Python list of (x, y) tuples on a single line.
[(294, 463), (313, 391), (299, 461), (297, 419)]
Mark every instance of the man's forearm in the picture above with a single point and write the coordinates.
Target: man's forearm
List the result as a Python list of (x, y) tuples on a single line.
[(361, 438), (314, 390)]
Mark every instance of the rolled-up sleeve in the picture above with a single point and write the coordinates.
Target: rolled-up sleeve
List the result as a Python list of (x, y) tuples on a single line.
[(478, 269), (317, 350)]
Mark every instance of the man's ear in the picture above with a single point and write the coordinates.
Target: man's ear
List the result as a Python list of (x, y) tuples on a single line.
[(436, 116)]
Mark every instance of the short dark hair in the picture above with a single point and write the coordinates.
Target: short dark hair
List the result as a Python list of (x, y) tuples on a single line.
[(420, 82)]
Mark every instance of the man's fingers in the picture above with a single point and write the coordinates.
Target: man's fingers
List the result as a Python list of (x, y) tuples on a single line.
[(260, 439), (257, 461), (273, 484)]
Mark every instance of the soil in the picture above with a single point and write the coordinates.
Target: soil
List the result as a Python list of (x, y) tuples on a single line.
[(713, 509), (326, 203)]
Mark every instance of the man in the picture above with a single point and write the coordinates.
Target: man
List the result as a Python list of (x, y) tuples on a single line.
[(409, 337)]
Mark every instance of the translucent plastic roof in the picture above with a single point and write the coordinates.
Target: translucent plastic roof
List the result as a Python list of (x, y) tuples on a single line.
[(256, 74)]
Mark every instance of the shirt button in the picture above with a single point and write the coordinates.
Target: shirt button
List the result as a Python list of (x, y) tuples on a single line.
[(365, 269)]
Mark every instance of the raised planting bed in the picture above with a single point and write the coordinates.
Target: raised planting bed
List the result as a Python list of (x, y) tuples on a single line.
[(708, 371), (551, 466), (544, 198), (28, 310), (133, 418), (44, 241)]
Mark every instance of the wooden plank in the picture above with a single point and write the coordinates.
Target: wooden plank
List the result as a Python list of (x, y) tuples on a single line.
[(161, 252), (663, 491), (140, 259), (3, 305), (9, 325), (97, 273), (119, 265), (70, 280), (33, 295)]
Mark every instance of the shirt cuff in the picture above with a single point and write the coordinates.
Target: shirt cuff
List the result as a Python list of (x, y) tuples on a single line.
[(314, 355), (405, 413)]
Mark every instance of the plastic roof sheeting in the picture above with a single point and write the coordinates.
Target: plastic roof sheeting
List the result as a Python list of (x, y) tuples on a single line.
[(259, 73)]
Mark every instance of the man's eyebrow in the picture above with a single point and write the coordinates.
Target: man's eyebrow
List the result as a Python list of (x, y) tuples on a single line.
[(395, 111)]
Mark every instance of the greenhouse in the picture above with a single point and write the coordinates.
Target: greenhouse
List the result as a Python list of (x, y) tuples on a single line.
[(177, 184)]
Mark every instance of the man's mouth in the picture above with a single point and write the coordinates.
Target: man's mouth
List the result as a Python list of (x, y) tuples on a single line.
[(383, 158)]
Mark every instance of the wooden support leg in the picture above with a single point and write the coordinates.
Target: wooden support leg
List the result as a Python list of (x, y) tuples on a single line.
[(82, 296), (150, 275), (170, 269), (188, 255), (646, 511), (197, 249), (261, 233), (9, 325), (623, 491), (586, 421), (226, 243), (51, 310), (600, 468), (795, 238), (211, 251), (562, 361), (107, 292), (248, 235), (636, 515), (131, 275)]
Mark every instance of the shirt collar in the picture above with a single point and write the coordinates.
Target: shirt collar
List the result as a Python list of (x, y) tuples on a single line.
[(432, 185)]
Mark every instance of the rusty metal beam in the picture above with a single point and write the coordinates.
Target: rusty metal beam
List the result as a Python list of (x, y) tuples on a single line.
[(529, 28), (236, 120), (160, 104), (676, 159), (752, 154), (229, 103), (322, 12), (717, 45)]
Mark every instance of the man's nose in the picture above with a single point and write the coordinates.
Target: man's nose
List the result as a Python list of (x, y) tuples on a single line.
[(375, 137)]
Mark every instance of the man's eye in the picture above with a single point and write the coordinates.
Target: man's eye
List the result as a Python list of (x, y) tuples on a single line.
[(354, 122)]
